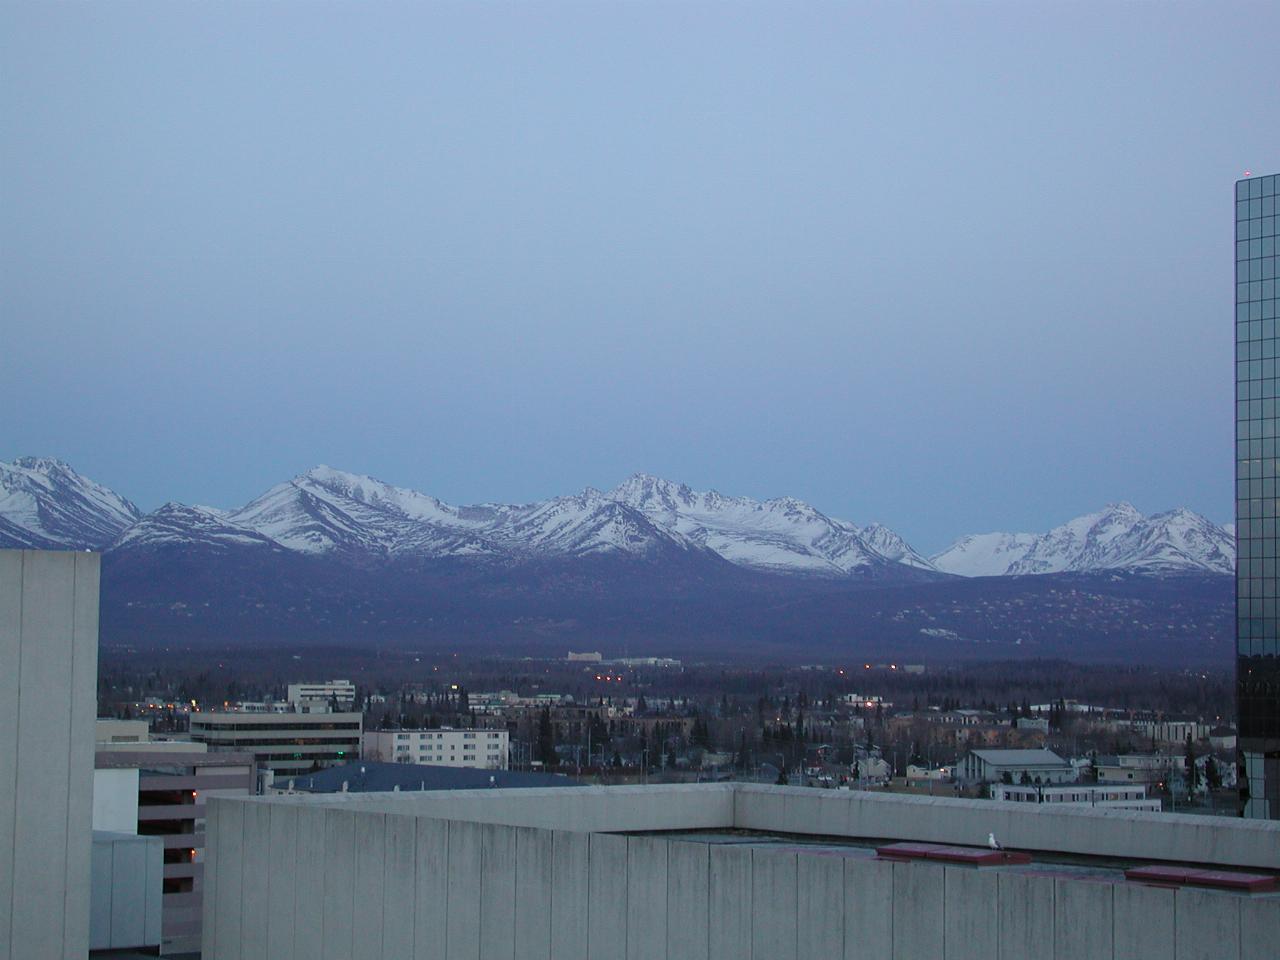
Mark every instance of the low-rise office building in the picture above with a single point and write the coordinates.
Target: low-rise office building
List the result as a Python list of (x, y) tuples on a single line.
[(284, 743), (446, 747)]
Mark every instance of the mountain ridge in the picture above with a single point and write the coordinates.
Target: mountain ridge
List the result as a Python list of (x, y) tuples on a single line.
[(45, 503)]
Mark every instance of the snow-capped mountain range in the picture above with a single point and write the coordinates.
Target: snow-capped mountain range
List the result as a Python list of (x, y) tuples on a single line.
[(1117, 537), (45, 503)]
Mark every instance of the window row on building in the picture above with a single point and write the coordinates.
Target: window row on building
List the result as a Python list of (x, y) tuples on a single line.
[(286, 740), (1261, 268), (1256, 408), (1254, 390), (1258, 587), (1255, 229), (1254, 569), (1256, 313), (285, 721), (1254, 187), (1255, 290), (1255, 249), (1256, 508)]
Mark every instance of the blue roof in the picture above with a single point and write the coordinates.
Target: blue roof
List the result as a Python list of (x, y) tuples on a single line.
[(368, 777)]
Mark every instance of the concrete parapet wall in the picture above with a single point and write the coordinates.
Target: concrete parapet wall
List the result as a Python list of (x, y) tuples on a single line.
[(392, 877)]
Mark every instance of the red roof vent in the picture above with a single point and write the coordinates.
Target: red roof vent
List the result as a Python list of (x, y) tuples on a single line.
[(974, 856), (1188, 877)]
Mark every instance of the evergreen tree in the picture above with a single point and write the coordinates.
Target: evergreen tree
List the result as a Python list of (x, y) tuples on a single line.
[(547, 739), (1193, 771), (1212, 775)]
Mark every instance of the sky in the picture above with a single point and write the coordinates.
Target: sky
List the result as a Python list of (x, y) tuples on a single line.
[(950, 267)]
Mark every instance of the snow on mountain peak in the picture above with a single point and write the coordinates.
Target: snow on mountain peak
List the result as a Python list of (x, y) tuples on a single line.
[(1117, 537), (178, 525), (783, 534), (47, 504)]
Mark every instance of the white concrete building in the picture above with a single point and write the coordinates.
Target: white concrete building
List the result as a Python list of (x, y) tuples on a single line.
[(1170, 731), (110, 730), (1137, 767), (915, 772), (1113, 796), (273, 706), (48, 703), (343, 691), (444, 747), (115, 800)]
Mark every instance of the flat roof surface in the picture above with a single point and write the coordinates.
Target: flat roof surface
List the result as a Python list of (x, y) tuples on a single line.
[(369, 777), (1103, 869)]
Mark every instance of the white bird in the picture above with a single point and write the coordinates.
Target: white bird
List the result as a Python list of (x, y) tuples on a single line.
[(993, 843)]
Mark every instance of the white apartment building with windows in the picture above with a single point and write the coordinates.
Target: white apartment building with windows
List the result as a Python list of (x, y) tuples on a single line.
[(444, 747), (343, 691)]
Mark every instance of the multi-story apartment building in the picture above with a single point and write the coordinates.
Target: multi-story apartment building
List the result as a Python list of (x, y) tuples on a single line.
[(445, 747), (282, 742), (1257, 472)]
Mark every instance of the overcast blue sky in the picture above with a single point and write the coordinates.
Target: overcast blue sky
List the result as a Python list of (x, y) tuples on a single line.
[(952, 267)]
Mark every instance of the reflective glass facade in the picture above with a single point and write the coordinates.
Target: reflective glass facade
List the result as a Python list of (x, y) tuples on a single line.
[(1257, 499)]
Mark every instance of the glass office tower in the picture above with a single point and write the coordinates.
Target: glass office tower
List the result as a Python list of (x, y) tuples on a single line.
[(1257, 472)]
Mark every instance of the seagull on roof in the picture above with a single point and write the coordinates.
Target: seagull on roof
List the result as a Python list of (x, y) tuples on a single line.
[(993, 843)]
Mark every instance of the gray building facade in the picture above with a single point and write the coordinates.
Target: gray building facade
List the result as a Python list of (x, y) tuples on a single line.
[(48, 701), (1257, 471)]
